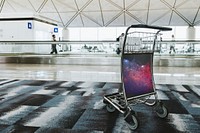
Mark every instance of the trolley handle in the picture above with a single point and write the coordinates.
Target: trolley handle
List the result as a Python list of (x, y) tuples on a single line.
[(151, 27), (159, 28)]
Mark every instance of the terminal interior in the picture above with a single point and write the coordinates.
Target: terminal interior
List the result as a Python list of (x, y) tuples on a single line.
[(53, 93)]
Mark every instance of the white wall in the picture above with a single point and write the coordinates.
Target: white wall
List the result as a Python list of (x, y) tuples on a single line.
[(18, 31), (15, 30), (43, 31)]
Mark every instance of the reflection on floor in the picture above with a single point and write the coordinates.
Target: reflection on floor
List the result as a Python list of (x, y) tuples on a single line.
[(95, 73), (70, 106)]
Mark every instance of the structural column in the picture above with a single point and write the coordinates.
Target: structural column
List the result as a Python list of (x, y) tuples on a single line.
[(190, 33), (65, 34), (65, 37)]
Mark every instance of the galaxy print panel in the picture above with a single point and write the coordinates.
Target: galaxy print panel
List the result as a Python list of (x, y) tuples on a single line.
[(137, 74)]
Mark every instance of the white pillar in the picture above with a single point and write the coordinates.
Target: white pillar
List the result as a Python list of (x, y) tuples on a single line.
[(65, 34), (190, 35)]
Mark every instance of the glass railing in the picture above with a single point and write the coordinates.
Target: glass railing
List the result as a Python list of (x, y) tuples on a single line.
[(63, 47), (183, 47)]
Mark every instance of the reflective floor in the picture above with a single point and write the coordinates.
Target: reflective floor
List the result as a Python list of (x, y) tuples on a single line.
[(95, 73), (38, 98)]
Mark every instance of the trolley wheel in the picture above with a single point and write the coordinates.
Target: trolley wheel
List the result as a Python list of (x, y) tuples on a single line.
[(105, 101), (161, 110), (110, 108), (131, 120)]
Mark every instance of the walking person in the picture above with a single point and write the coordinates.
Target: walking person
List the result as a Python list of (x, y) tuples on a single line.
[(121, 41), (53, 46), (172, 46)]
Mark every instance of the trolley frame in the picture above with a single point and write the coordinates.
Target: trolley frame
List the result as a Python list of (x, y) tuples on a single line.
[(120, 100)]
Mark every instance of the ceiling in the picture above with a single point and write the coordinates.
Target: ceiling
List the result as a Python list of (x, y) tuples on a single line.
[(107, 13)]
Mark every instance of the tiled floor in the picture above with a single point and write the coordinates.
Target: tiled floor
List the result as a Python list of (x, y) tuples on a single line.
[(69, 99)]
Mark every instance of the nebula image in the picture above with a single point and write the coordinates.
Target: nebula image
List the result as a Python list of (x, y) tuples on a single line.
[(137, 74)]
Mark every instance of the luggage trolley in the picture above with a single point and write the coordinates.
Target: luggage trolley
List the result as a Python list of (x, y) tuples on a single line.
[(137, 74)]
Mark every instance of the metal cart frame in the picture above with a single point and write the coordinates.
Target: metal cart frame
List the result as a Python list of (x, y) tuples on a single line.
[(138, 48)]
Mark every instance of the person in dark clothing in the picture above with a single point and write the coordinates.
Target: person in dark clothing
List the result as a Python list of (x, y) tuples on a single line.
[(118, 51), (172, 46), (53, 46)]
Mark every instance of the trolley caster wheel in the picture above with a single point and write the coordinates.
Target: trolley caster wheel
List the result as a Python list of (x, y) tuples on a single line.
[(110, 108), (105, 101), (131, 120), (161, 110)]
